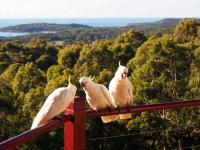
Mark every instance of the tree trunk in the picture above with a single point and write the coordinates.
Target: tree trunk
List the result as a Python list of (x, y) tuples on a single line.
[(180, 145), (164, 147)]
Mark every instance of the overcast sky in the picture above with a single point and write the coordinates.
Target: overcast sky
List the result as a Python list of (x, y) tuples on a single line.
[(98, 8)]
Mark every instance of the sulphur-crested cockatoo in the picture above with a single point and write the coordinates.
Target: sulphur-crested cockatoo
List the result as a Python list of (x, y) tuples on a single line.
[(55, 104), (98, 97), (120, 89)]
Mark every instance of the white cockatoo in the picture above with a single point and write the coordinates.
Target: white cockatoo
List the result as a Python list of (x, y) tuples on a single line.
[(98, 97), (120, 89), (55, 104)]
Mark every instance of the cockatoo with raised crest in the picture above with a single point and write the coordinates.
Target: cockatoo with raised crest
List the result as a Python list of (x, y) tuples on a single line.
[(98, 97), (55, 104), (120, 89)]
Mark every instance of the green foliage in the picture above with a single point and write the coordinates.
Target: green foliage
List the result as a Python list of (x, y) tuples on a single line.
[(8, 75), (194, 80), (12, 52), (57, 76), (5, 96), (104, 76), (54, 71), (44, 62), (94, 58), (27, 77), (69, 55), (4, 57), (3, 66), (33, 101), (160, 69), (187, 30), (126, 45)]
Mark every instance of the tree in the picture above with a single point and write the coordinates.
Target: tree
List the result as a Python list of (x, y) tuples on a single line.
[(94, 58), (194, 79), (44, 62), (8, 75), (69, 55), (3, 66), (57, 76), (125, 45), (36, 48), (104, 76), (186, 30), (28, 76), (160, 71), (161, 64), (32, 103)]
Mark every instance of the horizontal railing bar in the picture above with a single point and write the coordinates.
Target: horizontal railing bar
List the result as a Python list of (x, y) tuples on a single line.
[(145, 107), (29, 135)]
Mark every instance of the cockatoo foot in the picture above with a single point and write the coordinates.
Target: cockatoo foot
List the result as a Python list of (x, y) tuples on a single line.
[(128, 108), (109, 109), (59, 117), (118, 109)]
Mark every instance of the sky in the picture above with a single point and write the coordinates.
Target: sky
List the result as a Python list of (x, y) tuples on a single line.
[(99, 8)]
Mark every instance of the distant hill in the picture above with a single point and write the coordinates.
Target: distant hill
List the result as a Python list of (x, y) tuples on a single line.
[(41, 27), (168, 21), (70, 33), (162, 22)]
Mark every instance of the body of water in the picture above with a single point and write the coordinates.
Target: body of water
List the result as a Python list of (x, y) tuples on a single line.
[(11, 34)]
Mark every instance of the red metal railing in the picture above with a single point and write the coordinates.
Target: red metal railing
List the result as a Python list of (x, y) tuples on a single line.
[(74, 131), (145, 107), (75, 119), (31, 134)]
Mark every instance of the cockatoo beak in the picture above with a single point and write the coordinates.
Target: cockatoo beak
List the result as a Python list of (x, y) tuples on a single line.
[(124, 75), (82, 84)]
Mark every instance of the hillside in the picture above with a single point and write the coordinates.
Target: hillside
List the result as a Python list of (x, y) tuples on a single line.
[(41, 27), (70, 33), (166, 21)]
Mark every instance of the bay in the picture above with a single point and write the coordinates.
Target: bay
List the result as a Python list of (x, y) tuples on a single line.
[(11, 34)]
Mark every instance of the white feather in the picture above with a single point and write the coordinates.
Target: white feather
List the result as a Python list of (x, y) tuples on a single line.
[(98, 97), (120, 89), (55, 104)]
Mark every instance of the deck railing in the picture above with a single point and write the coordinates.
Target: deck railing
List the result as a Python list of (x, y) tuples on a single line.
[(75, 119)]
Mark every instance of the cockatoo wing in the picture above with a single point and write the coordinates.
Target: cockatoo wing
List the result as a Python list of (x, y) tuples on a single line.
[(112, 92), (130, 89), (126, 116), (106, 94), (42, 114), (54, 105)]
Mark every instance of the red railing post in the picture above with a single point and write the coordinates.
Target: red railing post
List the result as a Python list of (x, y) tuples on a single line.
[(74, 131)]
